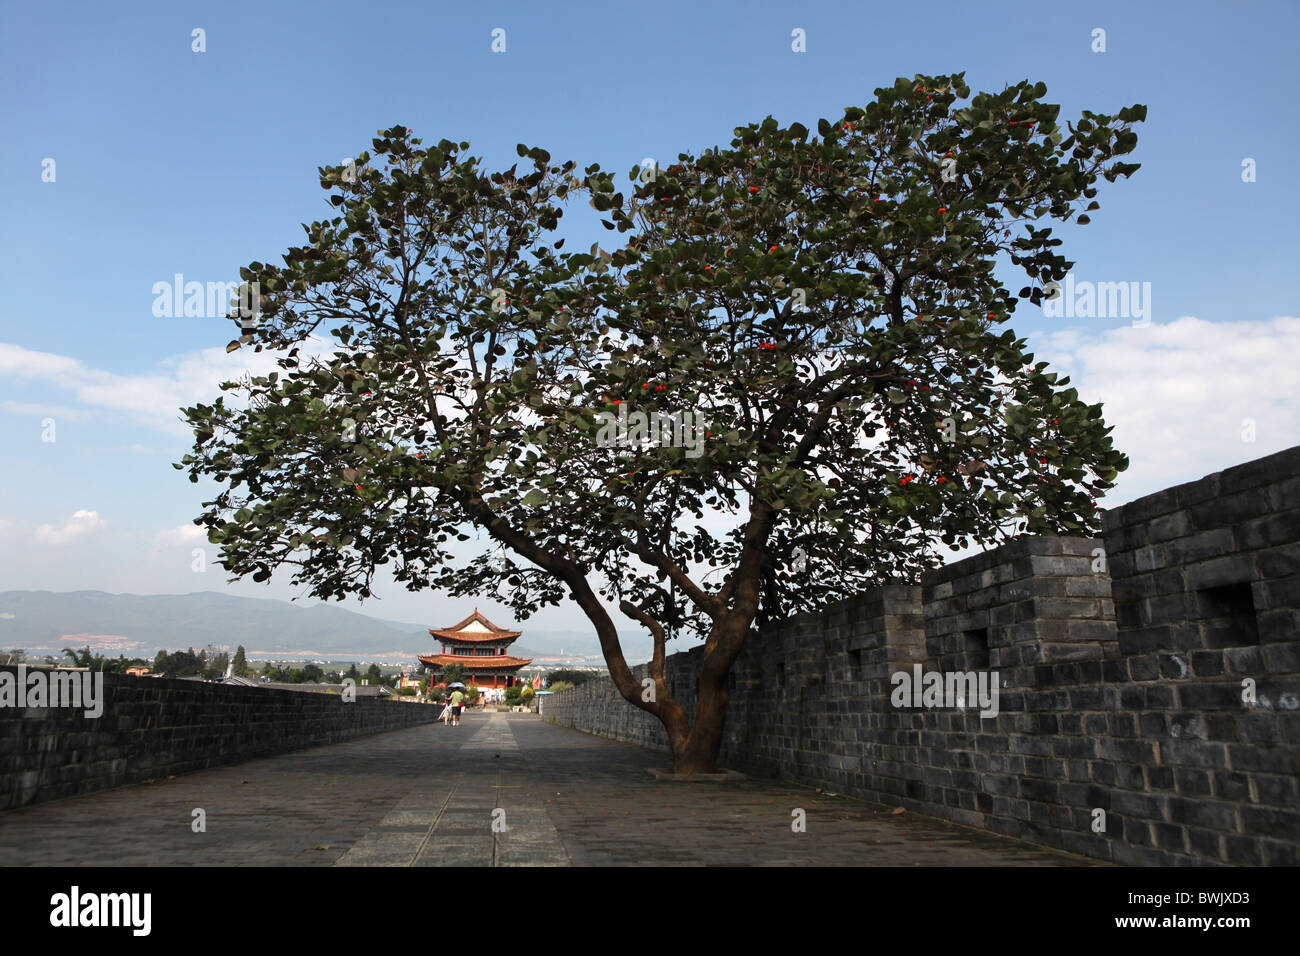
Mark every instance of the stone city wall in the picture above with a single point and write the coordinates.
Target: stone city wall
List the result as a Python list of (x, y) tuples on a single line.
[(156, 727), (1149, 681)]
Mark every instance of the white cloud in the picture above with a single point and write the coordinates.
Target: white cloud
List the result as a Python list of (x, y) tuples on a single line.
[(1180, 395), (41, 410), (153, 399), (80, 524), (185, 534)]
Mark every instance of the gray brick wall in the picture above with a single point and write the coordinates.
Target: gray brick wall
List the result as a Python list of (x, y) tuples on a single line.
[(156, 727), (1120, 661)]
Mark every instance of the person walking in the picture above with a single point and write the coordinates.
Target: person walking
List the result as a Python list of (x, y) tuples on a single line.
[(457, 698)]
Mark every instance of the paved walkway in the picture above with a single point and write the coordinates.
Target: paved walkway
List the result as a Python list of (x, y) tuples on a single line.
[(500, 790)]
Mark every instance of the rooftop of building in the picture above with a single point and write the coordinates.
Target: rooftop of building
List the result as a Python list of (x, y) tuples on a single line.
[(475, 629)]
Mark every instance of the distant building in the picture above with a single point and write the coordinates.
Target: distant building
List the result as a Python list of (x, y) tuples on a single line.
[(244, 682), (479, 647), (139, 671)]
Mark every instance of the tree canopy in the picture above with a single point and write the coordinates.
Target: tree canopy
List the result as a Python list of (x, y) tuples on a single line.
[(569, 676), (812, 324)]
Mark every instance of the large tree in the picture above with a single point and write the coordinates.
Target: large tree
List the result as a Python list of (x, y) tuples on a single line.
[(826, 304)]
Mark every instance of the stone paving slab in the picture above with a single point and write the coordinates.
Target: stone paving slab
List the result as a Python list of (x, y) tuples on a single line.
[(500, 790), (609, 812), (301, 809)]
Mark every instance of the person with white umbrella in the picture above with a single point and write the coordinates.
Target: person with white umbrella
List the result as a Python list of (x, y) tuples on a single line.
[(457, 699)]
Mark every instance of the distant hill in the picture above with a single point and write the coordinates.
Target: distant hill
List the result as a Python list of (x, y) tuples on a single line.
[(138, 625)]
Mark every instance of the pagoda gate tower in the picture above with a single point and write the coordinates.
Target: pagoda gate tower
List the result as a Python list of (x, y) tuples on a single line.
[(478, 646)]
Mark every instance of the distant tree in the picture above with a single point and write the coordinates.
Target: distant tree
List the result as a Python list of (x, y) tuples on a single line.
[(180, 664), (373, 674), (81, 658), (570, 677), (15, 656), (472, 694), (352, 671), (97, 662), (452, 673), (239, 666), (119, 664), (512, 695), (559, 686), (294, 675), (158, 660)]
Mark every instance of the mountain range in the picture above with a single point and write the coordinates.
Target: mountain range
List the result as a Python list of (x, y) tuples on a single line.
[(138, 625)]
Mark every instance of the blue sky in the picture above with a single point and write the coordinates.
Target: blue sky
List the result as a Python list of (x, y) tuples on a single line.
[(170, 161)]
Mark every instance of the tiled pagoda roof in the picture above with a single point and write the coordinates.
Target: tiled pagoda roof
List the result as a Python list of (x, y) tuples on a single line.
[(472, 663), (485, 632)]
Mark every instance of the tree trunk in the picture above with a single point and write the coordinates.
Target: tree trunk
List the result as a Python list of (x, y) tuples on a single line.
[(697, 752)]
